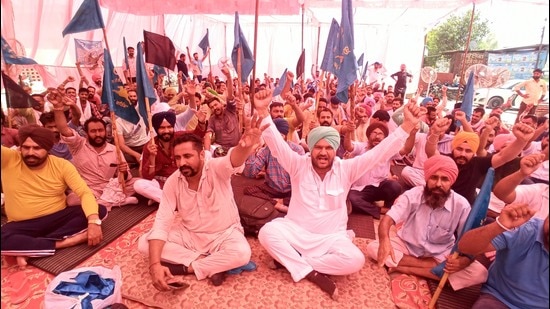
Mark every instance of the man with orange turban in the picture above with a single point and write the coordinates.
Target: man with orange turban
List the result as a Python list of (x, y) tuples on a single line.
[(431, 216), (465, 146)]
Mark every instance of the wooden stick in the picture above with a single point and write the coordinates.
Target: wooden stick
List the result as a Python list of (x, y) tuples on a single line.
[(240, 86), (253, 89), (441, 285), (467, 46), (121, 179)]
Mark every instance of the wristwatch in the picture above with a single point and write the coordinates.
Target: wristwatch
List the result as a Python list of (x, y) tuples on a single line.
[(95, 221)]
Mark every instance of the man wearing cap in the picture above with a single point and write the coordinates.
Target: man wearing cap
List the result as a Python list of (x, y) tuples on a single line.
[(94, 158), (535, 91), (158, 157), (312, 240), (464, 147), (430, 215), (277, 181), (39, 221)]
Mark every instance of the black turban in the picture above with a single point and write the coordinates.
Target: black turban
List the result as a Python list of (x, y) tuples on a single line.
[(45, 138), (377, 125), (282, 125), (157, 119)]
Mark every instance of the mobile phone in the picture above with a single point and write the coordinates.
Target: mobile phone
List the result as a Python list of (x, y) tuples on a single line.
[(178, 285)]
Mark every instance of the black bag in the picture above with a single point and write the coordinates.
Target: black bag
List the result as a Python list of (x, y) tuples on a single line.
[(255, 212)]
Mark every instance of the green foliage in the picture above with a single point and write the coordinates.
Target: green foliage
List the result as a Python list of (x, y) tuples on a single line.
[(453, 34)]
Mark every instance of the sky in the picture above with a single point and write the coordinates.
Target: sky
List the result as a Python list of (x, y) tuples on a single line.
[(516, 23)]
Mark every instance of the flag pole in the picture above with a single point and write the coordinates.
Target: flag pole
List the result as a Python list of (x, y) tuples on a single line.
[(441, 285), (253, 89), (466, 48), (121, 179), (240, 85), (8, 111)]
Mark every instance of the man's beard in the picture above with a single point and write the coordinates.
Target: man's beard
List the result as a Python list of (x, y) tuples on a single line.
[(536, 77), (134, 102), (325, 124), (33, 161), (166, 137), (188, 171), (98, 141), (435, 198)]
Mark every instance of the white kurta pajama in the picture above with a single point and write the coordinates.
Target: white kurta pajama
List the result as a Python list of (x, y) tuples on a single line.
[(313, 235), (208, 222)]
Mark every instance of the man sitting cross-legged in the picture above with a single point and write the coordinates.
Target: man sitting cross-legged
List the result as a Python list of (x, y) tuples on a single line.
[(39, 221), (158, 158), (206, 238), (431, 215), (93, 157), (312, 240)]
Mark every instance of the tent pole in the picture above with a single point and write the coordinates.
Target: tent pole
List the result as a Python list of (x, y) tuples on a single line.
[(251, 86), (466, 48), (302, 26)]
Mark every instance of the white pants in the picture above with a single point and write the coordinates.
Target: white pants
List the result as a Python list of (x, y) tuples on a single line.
[(413, 176), (473, 274), (149, 188), (301, 251), (224, 253)]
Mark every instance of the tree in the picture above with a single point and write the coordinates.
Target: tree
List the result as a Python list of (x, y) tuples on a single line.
[(453, 34)]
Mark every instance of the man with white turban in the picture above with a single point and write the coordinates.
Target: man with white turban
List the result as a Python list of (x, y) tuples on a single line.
[(312, 240), (431, 216)]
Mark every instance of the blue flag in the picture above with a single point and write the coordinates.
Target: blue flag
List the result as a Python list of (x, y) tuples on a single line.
[(360, 61), (277, 91), (204, 44), (247, 58), (468, 99), (345, 64), (326, 64), (10, 57), (114, 93), (88, 17), (144, 87), (477, 215)]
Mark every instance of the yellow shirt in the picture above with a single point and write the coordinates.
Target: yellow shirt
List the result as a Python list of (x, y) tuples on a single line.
[(36, 193), (534, 89)]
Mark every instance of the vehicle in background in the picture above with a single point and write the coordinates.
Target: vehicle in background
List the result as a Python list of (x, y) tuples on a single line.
[(495, 97)]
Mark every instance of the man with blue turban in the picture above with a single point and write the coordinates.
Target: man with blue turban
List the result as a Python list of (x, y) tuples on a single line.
[(312, 240)]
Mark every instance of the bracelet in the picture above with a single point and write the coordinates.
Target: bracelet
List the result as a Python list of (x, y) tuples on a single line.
[(151, 166), (58, 109), (502, 225), (153, 264)]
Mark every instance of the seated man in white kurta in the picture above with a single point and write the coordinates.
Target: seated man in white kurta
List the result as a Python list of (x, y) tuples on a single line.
[(312, 240), (206, 238)]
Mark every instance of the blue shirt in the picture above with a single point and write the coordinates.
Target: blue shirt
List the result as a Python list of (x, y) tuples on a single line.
[(519, 275)]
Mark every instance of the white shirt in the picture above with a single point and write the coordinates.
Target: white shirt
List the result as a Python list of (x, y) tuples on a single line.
[(536, 196), (319, 206), (379, 173), (134, 135)]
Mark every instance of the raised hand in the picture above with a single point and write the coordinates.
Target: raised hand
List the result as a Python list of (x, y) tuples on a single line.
[(492, 123), (461, 116), (252, 135), (440, 126), (523, 132), (412, 114), (290, 98), (515, 215), (201, 116), (262, 99), (531, 163)]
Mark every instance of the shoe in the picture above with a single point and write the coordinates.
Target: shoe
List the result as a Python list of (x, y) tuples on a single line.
[(324, 282), (217, 279), (250, 266), (275, 265)]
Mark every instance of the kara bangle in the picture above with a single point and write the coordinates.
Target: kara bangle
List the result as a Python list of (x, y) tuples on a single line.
[(502, 225)]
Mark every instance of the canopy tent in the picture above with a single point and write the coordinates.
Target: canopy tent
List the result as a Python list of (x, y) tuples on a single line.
[(391, 32)]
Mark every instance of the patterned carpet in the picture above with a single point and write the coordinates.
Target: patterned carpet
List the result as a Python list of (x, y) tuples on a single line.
[(263, 288)]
